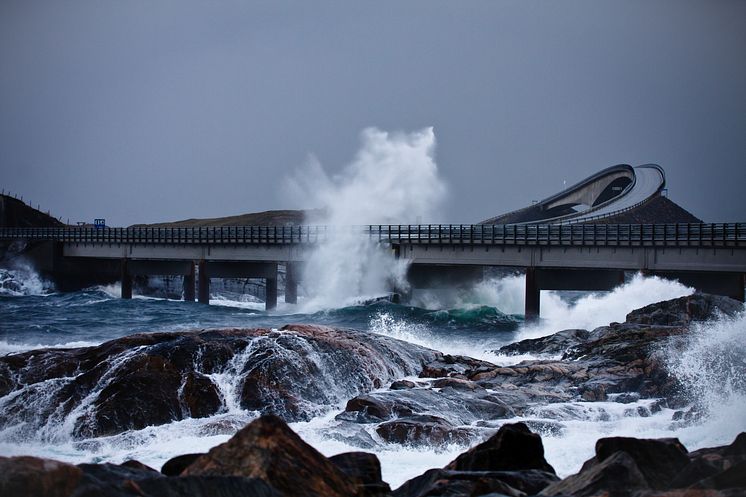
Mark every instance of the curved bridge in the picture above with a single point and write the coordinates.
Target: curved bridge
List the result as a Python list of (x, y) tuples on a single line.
[(607, 193)]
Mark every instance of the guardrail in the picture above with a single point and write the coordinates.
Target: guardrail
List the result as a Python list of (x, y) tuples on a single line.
[(615, 235)]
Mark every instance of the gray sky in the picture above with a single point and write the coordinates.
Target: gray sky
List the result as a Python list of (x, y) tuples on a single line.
[(144, 111)]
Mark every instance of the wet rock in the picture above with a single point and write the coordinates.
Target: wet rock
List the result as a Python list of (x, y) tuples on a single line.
[(709, 462), (513, 447), (556, 344), (269, 450), (131, 463), (455, 483), (38, 477), (156, 378), (175, 465), (658, 460), (732, 478), (365, 469), (422, 429), (616, 476), (116, 481), (402, 385), (684, 310)]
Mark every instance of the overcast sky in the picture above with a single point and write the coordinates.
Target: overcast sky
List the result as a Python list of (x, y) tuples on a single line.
[(142, 111)]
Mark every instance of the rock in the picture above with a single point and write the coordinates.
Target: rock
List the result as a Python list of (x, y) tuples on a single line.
[(155, 378), (37, 477), (556, 344), (402, 385), (117, 481), (131, 463), (616, 476), (709, 462), (733, 477), (269, 450), (365, 469), (421, 429), (175, 465), (454, 483), (684, 310), (658, 460), (513, 447)]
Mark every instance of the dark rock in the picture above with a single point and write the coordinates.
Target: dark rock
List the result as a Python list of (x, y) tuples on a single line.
[(684, 310), (421, 429), (709, 462), (269, 450), (513, 447), (456, 483), (156, 378), (175, 465), (402, 385), (557, 343), (365, 469), (733, 477), (616, 476), (32, 476), (658, 460), (131, 463)]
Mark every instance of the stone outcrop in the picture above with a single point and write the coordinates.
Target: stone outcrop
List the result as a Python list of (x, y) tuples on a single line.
[(155, 378)]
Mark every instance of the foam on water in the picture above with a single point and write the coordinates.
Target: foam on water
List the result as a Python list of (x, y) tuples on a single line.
[(21, 280)]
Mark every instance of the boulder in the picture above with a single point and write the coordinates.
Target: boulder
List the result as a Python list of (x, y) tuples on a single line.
[(38, 477), (616, 476), (422, 429), (513, 447), (269, 450), (658, 460), (455, 483), (175, 465), (365, 469)]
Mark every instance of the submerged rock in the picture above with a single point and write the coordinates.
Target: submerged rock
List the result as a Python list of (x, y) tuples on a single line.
[(155, 378)]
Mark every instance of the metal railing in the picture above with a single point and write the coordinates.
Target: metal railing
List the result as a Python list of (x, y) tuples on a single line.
[(614, 235)]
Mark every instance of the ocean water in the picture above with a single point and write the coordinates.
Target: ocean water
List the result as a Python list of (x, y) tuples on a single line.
[(473, 322)]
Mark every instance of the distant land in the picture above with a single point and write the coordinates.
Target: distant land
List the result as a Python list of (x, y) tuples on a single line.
[(265, 218)]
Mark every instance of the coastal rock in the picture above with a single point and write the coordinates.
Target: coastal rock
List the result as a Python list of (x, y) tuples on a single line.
[(422, 429), (175, 465), (269, 450), (38, 477), (616, 476), (445, 482), (155, 378), (684, 310), (659, 460), (513, 447), (365, 470)]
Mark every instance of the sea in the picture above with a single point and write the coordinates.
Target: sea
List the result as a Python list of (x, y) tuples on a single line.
[(474, 322)]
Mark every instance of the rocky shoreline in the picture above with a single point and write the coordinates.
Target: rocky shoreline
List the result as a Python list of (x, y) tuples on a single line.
[(395, 393), (266, 458)]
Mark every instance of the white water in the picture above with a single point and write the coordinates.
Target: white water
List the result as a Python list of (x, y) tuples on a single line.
[(392, 179), (22, 280)]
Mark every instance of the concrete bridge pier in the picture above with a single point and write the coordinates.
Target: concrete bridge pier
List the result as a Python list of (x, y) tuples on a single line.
[(291, 283), (203, 284), (189, 280), (538, 279), (126, 279), (270, 300)]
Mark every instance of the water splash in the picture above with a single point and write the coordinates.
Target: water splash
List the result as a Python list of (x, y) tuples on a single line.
[(22, 280), (392, 179)]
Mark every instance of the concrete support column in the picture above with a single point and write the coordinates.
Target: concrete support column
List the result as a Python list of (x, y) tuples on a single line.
[(533, 294), (126, 279), (189, 284), (203, 293), (270, 301), (291, 283)]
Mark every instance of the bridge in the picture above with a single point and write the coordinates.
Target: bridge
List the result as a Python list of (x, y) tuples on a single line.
[(709, 257), (607, 193)]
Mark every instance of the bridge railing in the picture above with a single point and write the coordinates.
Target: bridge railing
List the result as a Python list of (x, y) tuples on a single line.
[(615, 235)]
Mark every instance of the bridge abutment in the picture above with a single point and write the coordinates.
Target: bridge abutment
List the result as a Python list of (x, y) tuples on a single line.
[(533, 295)]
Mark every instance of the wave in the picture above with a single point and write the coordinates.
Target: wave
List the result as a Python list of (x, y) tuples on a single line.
[(23, 280)]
